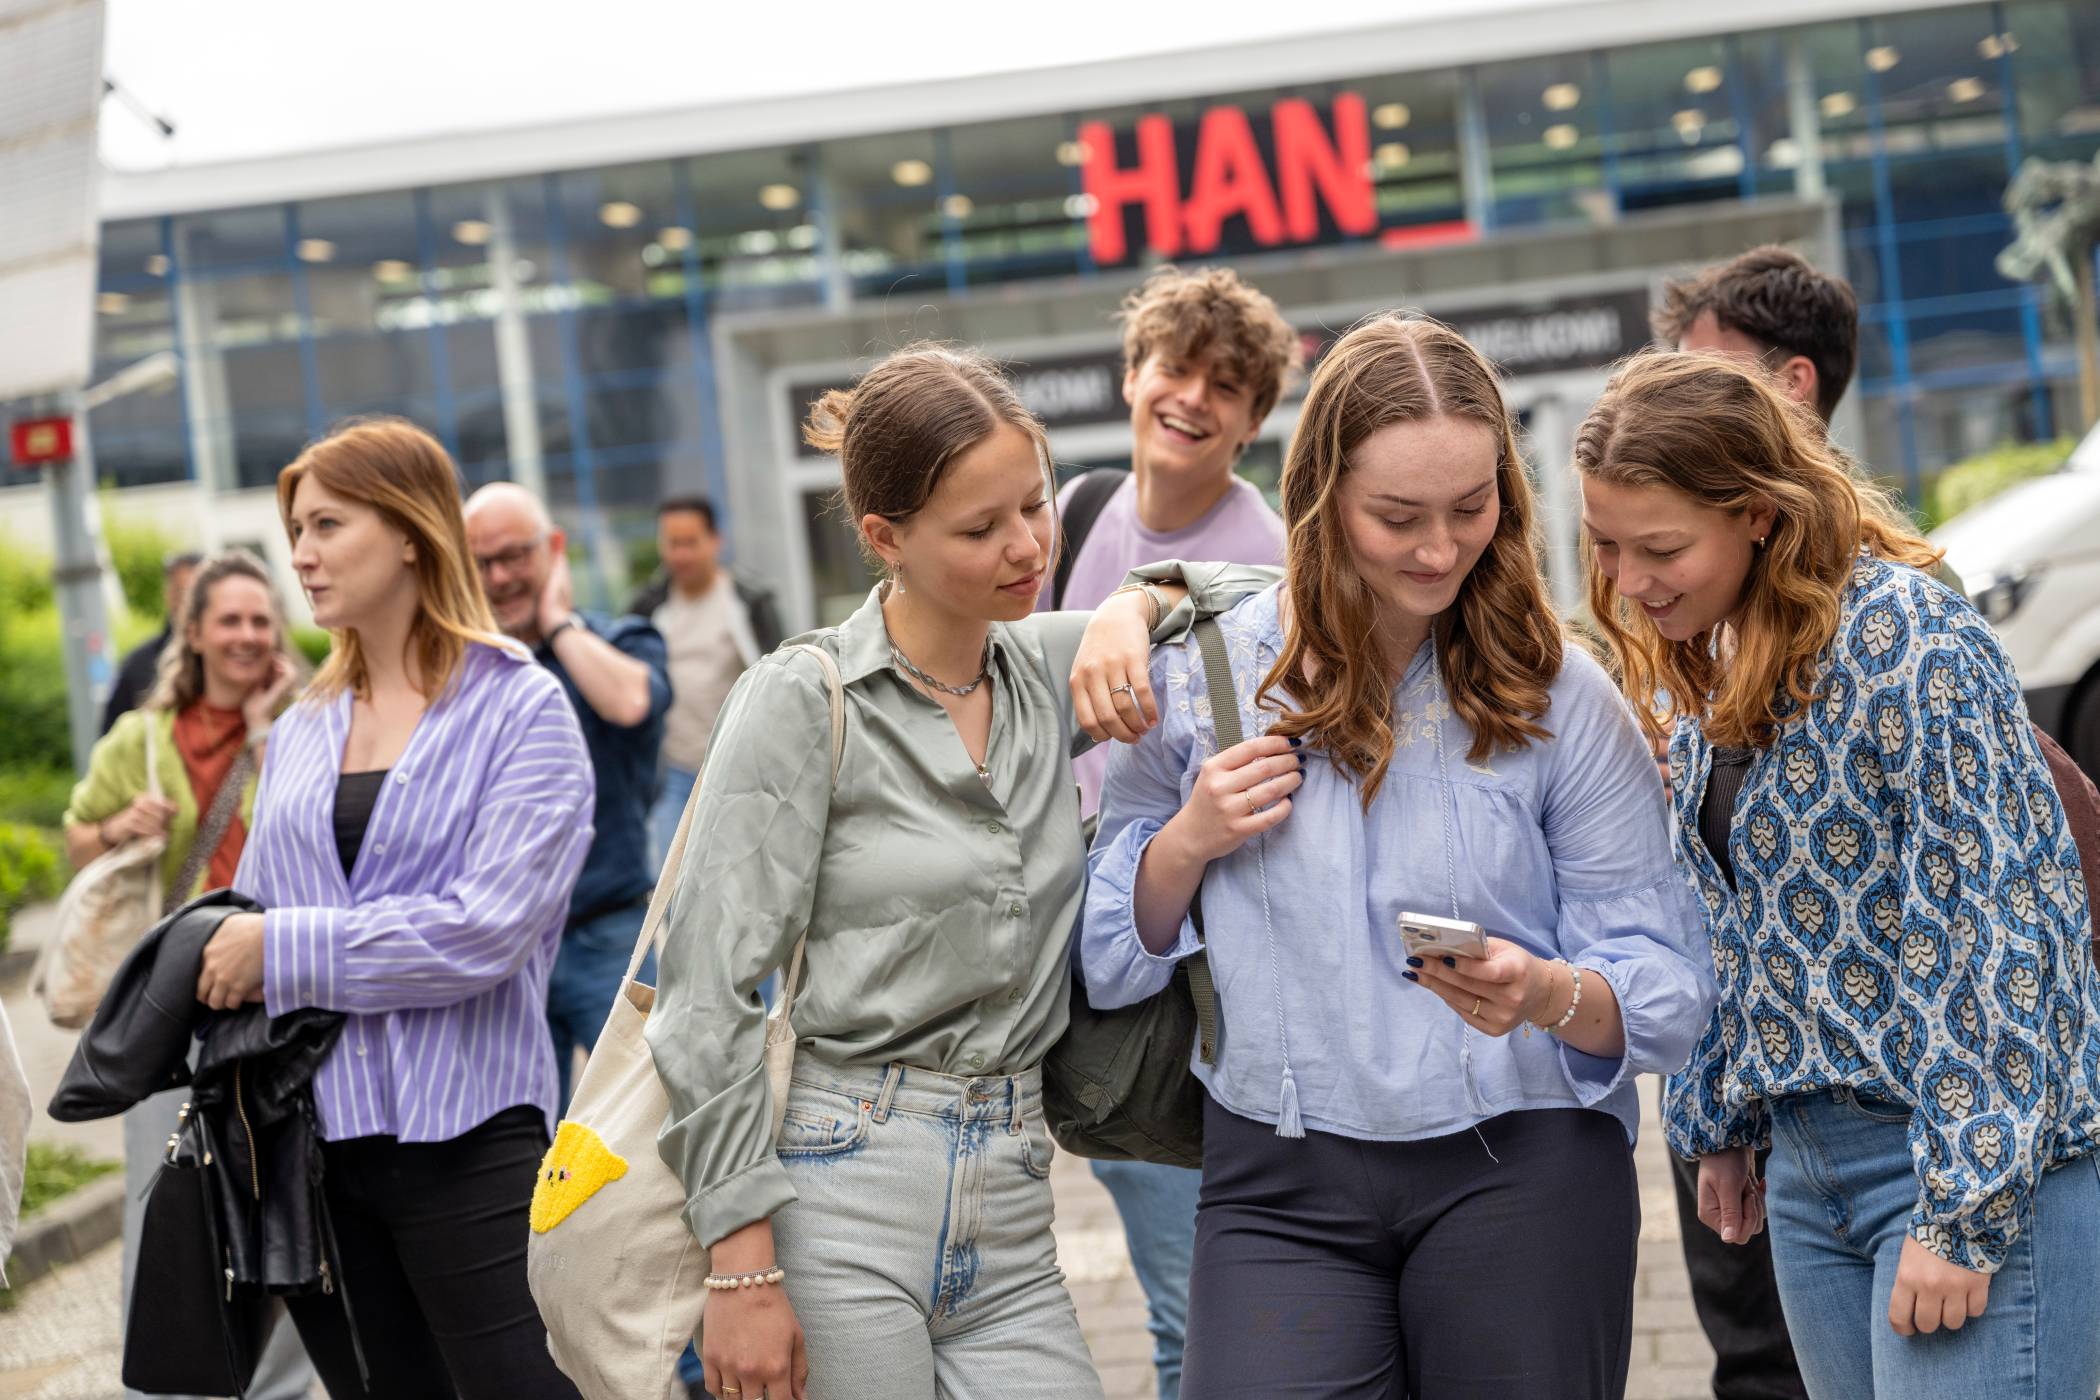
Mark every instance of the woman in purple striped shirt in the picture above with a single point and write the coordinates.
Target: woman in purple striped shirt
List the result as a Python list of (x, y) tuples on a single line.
[(423, 813)]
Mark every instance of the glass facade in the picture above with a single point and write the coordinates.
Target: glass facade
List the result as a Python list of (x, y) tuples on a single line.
[(562, 322)]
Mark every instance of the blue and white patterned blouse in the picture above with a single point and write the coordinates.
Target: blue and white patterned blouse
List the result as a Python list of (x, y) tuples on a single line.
[(1562, 846), (1909, 919)]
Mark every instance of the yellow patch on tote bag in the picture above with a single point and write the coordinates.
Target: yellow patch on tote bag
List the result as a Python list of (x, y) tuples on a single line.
[(575, 1168)]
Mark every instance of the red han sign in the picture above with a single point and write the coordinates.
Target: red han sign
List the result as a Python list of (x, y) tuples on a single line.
[(38, 442), (1228, 178)]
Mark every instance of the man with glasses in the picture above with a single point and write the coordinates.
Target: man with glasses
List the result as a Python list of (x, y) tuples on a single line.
[(614, 670)]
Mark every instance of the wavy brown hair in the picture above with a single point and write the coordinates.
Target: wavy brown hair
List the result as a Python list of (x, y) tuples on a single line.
[(1498, 646), (1725, 435), (402, 472)]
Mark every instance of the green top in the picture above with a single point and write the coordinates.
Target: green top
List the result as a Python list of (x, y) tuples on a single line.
[(939, 905), (116, 777)]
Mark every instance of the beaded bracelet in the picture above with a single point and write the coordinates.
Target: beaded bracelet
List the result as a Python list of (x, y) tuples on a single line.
[(758, 1278), (1575, 973)]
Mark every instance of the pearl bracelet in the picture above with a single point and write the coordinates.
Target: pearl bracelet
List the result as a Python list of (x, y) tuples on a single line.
[(1575, 973), (756, 1279)]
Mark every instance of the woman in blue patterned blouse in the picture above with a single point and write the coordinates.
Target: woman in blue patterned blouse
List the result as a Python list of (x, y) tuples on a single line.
[(1909, 1013)]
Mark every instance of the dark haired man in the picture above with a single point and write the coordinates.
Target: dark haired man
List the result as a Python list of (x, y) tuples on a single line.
[(1769, 305), (714, 625)]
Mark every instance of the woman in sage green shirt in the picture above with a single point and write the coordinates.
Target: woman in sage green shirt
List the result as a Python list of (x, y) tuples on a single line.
[(899, 1237)]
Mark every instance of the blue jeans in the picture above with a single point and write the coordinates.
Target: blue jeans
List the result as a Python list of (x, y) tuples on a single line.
[(1840, 1197), (1158, 1206), (586, 978), (669, 806)]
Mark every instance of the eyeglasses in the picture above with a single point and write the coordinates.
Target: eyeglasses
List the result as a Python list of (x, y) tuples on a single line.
[(517, 556)]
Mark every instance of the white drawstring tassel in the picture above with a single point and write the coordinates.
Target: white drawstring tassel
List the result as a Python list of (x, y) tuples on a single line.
[(1288, 1123)]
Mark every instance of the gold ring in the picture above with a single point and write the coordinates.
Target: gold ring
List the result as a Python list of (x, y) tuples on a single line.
[(1475, 1013), (1252, 809)]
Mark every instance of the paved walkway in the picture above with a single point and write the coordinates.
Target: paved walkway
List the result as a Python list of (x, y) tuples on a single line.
[(61, 1341)]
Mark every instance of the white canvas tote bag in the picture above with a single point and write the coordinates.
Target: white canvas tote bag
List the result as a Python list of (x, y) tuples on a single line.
[(616, 1273)]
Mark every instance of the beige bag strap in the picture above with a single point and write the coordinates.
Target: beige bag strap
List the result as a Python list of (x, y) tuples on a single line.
[(667, 880), (152, 718)]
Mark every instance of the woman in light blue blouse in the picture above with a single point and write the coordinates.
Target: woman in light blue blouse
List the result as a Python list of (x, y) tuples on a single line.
[(1899, 923), (1416, 1176)]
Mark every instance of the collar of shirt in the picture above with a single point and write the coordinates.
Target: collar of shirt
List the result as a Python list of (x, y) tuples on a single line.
[(864, 642)]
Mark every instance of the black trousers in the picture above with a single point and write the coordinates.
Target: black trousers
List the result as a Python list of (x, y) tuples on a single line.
[(432, 1240), (1478, 1266), (1737, 1298)]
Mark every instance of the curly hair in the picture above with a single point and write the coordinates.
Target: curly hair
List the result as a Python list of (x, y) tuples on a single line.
[(1499, 646), (1210, 311), (1726, 436)]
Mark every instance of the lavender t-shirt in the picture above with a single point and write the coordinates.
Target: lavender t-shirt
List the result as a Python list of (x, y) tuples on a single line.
[(1239, 529)]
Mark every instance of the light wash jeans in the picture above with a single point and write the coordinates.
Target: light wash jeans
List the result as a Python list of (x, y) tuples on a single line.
[(282, 1372), (919, 1256), (1158, 1206), (669, 806), (1840, 1197), (587, 972)]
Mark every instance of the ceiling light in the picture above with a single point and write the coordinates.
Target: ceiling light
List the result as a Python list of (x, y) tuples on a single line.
[(911, 173), (472, 232), (1391, 116), (1783, 154), (316, 250), (1990, 46), (802, 236), (392, 270), (653, 254), (1561, 97), (780, 197), (1703, 79), (958, 206), (1072, 152), (1080, 206), (619, 214), (1884, 58), (674, 240), (1561, 136), (1839, 104), (1689, 117), (112, 303), (758, 242), (1393, 155), (1965, 89), (157, 265)]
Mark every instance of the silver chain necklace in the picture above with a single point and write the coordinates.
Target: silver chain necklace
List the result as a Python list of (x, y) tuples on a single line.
[(984, 669)]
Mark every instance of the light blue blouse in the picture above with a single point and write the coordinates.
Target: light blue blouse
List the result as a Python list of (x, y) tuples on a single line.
[(1562, 847)]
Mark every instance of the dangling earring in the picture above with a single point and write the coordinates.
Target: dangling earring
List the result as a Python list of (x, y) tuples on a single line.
[(1761, 541), (897, 579)]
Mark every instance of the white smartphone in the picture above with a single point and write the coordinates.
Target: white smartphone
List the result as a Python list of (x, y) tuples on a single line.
[(1427, 936)]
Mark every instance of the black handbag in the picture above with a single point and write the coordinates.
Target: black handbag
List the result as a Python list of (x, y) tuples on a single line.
[(1117, 1084), (191, 1330)]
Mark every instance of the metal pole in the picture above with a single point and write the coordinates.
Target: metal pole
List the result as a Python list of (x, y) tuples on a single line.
[(76, 529)]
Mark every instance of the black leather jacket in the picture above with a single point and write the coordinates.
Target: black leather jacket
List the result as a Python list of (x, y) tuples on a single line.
[(251, 1097)]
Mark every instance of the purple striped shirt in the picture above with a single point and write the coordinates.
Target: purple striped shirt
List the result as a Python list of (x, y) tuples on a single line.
[(440, 942)]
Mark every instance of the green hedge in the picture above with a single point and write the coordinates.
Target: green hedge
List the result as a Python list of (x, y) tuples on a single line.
[(35, 796), (1970, 483), (58, 1169), (31, 869), (34, 733)]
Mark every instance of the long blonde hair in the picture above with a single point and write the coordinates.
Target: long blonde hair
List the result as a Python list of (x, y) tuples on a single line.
[(1498, 646), (402, 472), (1727, 437), (178, 679)]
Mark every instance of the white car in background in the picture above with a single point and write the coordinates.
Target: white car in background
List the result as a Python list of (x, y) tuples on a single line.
[(2030, 558)]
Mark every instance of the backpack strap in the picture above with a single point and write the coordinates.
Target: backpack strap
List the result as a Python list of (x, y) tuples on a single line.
[(1225, 719), (1089, 498)]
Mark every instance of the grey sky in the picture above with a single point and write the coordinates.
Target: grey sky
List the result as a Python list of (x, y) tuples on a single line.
[(244, 78)]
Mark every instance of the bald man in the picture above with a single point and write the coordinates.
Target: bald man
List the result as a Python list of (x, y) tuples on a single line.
[(616, 673)]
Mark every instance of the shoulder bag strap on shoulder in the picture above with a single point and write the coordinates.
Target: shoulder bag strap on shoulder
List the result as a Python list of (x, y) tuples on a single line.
[(667, 878), (1089, 498), (1225, 720)]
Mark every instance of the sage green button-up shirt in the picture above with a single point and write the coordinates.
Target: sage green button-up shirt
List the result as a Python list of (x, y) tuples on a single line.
[(940, 906)]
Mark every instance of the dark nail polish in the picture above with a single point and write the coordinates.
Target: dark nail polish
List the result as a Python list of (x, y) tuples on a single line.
[(1410, 977), (1414, 962), (1303, 762), (1297, 741), (1450, 962)]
